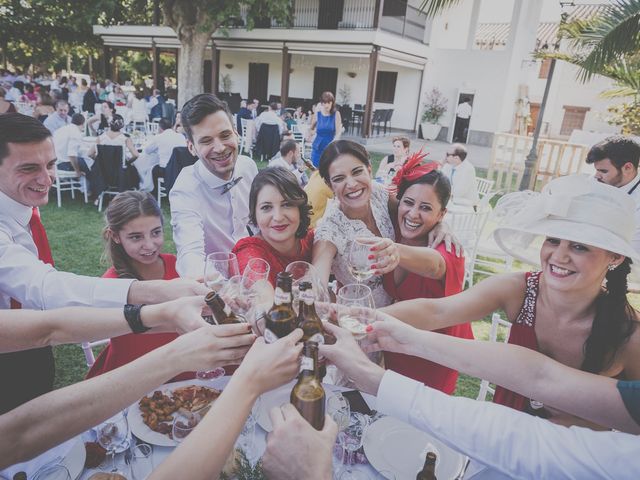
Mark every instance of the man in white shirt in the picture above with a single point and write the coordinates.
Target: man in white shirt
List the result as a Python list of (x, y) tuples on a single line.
[(160, 148), (59, 118), (270, 117), (462, 175), (616, 162), (289, 157), (463, 115), (210, 199), (27, 276), (67, 141)]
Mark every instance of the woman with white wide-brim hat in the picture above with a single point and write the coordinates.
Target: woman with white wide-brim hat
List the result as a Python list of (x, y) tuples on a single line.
[(574, 309)]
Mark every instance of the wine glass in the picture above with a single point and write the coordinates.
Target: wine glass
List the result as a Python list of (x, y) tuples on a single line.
[(141, 461), (52, 472), (255, 288), (338, 408), (359, 263), (351, 440), (113, 435), (219, 267), (355, 309), (185, 422)]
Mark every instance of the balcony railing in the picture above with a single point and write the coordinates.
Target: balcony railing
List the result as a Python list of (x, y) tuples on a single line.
[(397, 17)]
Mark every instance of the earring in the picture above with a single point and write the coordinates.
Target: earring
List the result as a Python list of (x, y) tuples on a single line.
[(612, 267)]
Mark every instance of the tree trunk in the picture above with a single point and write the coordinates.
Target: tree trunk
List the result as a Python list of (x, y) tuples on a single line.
[(193, 44)]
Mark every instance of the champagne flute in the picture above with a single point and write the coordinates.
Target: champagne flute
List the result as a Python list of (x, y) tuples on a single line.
[(351, 439), (359, 263), (112, 435), (219, 267)]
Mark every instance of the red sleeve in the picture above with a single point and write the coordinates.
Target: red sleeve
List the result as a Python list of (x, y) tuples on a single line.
[(454, 277), (306, 246), (252, 247), (110, 273)]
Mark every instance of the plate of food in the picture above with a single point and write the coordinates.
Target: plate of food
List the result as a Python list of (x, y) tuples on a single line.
[(151, 418), (394, 446)]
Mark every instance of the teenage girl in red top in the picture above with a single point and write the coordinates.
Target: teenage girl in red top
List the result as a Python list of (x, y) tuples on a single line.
[(134, 236)]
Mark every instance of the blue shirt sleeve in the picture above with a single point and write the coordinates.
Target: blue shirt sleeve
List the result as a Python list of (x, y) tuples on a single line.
[(630, 393)]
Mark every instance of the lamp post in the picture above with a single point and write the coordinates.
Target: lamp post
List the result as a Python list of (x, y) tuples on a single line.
[(529, 176)]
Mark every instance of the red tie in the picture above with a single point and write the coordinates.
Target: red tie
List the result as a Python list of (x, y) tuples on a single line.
[(39, 235)]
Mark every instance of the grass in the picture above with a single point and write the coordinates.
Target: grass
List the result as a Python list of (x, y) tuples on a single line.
[(75, 234)]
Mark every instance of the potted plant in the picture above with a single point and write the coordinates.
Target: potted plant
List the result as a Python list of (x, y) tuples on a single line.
[(435, 106)]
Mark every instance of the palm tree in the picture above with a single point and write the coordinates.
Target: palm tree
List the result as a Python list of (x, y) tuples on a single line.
[(604, 40), (431, 8)]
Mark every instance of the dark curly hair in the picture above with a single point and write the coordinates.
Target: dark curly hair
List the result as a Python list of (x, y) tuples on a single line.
[(614, 323), (288, 186)]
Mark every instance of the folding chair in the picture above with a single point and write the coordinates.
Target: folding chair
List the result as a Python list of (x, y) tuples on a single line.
[(484, 186), (496, 323), (246, 143), (69, 182), (151, 128), (87, 348)]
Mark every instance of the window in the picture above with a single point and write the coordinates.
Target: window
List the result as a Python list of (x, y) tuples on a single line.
[(386, 87), (394, 8), (544, 68), (573, 119)]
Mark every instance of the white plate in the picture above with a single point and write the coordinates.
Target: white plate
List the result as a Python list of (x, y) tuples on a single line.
[(276, 398), (74, 460), (144, 433), (397, 447)]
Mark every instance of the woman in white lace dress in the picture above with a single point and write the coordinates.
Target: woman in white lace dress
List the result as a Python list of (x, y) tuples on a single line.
[(360, 208)]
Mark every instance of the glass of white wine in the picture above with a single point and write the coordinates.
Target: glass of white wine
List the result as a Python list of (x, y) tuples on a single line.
[(359, 263), (220, 267), (355, 309)]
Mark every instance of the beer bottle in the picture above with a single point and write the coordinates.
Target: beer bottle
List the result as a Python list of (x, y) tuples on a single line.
[(308, 394), (428, 472), (280, 320), (222, 314), (309, 321)]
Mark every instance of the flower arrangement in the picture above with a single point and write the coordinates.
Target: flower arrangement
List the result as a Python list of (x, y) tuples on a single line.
[(435, 106)]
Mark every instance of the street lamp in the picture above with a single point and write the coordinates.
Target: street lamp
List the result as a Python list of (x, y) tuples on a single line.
[(531, 160)]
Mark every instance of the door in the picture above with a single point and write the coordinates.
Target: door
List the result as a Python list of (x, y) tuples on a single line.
[(258, 81), (462, 113), (330, 14), (324, 80)]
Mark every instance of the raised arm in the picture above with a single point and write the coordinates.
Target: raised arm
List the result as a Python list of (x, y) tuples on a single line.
[(188, 235), (520, 369), (499, 292), (57, 416), (24, 329), (323, 253), (338, 126)]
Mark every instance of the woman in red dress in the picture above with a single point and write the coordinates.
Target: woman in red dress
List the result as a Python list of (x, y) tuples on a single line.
[(423, 272), (279, 208), (134, 236)]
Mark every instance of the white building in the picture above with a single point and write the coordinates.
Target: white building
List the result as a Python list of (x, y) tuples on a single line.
[(388, 55)]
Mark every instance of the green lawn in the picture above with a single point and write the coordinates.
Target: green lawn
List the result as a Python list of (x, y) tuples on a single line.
[(75, 234)]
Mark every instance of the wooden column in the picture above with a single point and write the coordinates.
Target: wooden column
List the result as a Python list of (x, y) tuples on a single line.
[(284, 83), (215, 68), (106, 57), (371, 90), (155, 60)]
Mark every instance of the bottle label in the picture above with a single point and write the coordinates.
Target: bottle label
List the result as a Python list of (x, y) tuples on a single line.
[(269, 336), (307, 297), (281, 297), (306, 363), (317, 338)]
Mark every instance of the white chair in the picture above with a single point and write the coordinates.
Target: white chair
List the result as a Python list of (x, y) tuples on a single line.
[(246, 144), (468, 228), (87, 348), (496, 323), (151, 128), (69, 182), (162, 192), (484, 187), (298, 136)]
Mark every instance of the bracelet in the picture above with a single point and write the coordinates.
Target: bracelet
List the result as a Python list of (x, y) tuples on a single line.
[(132, 315)]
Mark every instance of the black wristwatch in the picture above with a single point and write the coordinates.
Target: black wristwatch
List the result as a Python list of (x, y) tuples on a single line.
[(132, 315)]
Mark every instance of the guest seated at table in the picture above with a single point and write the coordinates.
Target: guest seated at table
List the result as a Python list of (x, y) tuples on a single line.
[(44, 107), (5, 107), (563, 310), (138, 106), (57, 416), (67, 141), (134, 236), (161, 146), (299, 115), (279, 209), (422, 272), (390, 164), (270, 117), (513, 444), (246, 112), (59, 118), (99, 123), (115, 137), (289, 158)]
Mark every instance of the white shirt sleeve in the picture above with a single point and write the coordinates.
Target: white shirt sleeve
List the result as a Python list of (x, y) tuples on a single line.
[(512, 442), (464, 188), (152, 147), (40, 286), (188, 235)]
